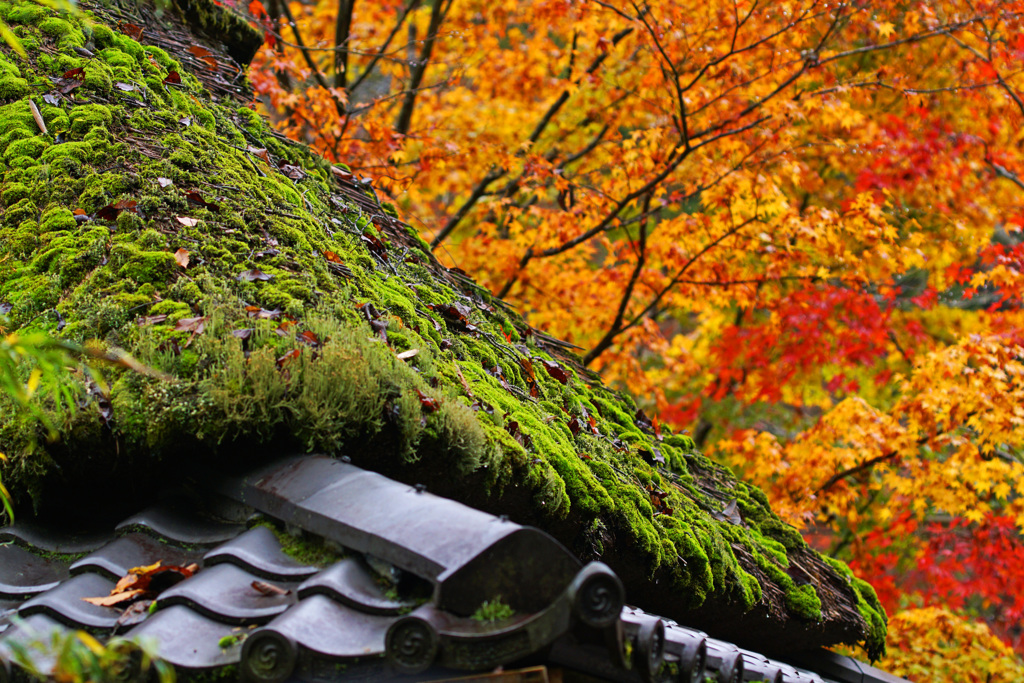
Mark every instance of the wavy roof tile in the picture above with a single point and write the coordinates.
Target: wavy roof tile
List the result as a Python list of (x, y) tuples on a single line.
[(397, 597)]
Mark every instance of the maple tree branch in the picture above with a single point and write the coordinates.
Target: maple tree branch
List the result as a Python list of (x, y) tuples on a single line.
[(916, 38), (301, 45), (682, 271), (1002, 83), (681, 121), (474, 196), (856, 469), (342, 33), (437, 15), (379, 55), (1005, 173), (481, 187), (564, 96), (627, 294)]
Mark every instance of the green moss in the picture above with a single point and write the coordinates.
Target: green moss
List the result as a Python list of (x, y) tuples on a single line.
[(14, 192), (441, 415), (13, 87), (57, 218), (803, 601), (305, 549), (79, 151), (25, 13), (490, 611)]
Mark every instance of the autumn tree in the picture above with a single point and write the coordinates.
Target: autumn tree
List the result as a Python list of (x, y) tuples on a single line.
[(795, 228)]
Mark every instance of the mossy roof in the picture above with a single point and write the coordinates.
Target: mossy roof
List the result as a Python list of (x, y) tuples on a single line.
[(307, 317)]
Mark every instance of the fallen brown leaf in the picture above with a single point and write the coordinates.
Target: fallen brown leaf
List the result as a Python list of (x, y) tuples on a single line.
[(269, 589), (181, 256)]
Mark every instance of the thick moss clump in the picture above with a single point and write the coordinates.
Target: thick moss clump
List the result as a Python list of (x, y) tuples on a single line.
[(282, 315)]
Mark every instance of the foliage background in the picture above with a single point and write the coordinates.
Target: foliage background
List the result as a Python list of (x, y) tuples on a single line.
[(791, 228)]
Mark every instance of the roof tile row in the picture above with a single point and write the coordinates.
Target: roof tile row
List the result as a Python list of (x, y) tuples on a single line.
[(400, 601)]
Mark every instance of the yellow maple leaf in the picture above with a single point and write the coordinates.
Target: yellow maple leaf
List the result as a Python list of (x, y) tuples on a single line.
[(886, 29)]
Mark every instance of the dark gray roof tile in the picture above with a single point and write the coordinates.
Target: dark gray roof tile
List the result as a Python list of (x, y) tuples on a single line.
[(23, 573), (258, 551), (470, 554), (188, 639), (757, 667), (330, 629), (133, 550), (177, 520), (351, 582), (65, 603), (725, 661), (225, 593), (32, 632), (46, 538)]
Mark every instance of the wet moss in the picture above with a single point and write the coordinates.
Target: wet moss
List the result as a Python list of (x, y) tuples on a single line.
[(248, 378)]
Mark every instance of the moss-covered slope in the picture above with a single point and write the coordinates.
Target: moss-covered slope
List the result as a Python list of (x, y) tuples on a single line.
[(288, 310)]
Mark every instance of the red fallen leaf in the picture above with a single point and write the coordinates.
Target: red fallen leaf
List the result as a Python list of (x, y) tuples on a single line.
[(78, 73), (556, 371), (187, 222), (173, 78), (181, 257), (455, 311), (131, 30), (524, 440), (196, 325), (242, 334), (130, 581), (584, 456), (197, 199), (332, 257), (657, 429), (291, 355), (110, 211), (308, 337), (254, 274), (203, 54), (260, 152), (575, 426), (429, 404), (151, 320), (527, 366), (269, 589), (593, 425), (376, 246)]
